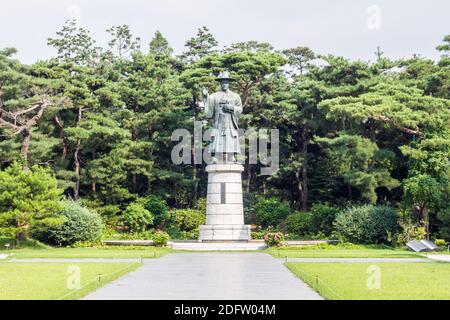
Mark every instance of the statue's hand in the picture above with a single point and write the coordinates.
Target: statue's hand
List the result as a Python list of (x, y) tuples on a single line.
[(229, 108)]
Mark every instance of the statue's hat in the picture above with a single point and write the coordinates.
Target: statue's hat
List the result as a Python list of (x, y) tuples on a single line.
[(225, 75)]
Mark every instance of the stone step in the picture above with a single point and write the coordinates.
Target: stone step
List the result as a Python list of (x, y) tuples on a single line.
[(219, 246)]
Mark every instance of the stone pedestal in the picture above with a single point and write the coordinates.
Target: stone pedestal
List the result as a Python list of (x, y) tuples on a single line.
[(224, 206)]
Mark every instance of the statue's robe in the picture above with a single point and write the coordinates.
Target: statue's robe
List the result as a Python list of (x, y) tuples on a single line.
[(224, 135)]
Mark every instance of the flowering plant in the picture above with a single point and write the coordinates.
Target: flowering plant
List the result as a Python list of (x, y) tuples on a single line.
[(274, 239)]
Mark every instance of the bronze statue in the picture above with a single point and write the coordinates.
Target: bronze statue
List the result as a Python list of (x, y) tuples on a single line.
[(224, 107)]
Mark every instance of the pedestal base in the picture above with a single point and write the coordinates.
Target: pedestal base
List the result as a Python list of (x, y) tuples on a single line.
[(224, 205), (230, 232)]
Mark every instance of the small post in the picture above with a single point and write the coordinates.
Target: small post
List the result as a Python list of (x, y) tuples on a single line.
[(317, 280), (99, 277), (285, 259)]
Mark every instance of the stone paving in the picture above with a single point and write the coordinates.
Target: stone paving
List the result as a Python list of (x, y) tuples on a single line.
[(209, 276)]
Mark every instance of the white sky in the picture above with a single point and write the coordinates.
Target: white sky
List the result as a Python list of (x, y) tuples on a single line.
[(339, 27)]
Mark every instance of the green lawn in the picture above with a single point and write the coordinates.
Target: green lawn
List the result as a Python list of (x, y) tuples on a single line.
[(33, 249), (36, 281), (340, 251), (398, 281), (95, 252)]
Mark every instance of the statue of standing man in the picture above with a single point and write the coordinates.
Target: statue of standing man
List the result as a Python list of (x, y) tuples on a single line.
[(224, 107)]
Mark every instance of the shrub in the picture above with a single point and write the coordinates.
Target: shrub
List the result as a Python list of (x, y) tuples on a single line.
[(160, 238), (444, 217), (175, 233), (158, 208), (258, 235), (113, 234), (440, 242), (299, 223), (274, 239), (201, 205), (408, 231), (80, 225), (188, 219), (322, 218), (136, 217), (249, 200), (29, 201), (366, 224), (270, 212)]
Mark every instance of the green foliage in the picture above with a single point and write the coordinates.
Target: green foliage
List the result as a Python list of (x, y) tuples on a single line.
[(74, 43), (422, 190), (80, 225), (200, 45), (444, 217), (103, 119), (201, 205), (160, 238), (322, 218), (122, 42), (158, 208), (299, 223), (366, 224), (136, 217), (362, 164), (110, 233), (29, 243), (270, 211), (29, 201), (188, 219), (408, 231)]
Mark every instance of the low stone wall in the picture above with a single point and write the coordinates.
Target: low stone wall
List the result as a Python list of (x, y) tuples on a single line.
[(128, 242), (310, 242)]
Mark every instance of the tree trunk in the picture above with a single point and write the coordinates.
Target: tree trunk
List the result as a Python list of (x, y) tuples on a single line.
[(93, 183), (426, 222), (23, 235), (25, 147), (76, 191), (194, 174), (305, 170), (300, 190), (372, 132), (134, 181), (62, 137), (249, 177)]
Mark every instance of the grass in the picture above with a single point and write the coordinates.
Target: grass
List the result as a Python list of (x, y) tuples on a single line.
[(398, 281), (31, 249), (341, 251), (94, 252), (49, 281)]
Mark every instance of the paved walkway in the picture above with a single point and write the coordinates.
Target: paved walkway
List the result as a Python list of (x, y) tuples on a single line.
[(439, 257), (362, 260), (208, 276)]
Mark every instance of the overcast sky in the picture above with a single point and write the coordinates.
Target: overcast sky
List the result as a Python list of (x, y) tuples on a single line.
[(352, 28)]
